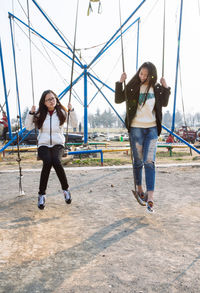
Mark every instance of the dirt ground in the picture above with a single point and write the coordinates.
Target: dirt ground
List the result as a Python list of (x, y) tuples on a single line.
[(104, 242)]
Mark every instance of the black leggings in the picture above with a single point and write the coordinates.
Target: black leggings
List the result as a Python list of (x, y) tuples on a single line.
[(51, 157)]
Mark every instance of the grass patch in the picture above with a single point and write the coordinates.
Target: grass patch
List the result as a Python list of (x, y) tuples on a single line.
[(174, 154), (96, 162)]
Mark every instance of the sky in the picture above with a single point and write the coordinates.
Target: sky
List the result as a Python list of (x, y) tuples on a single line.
[(52, 69)]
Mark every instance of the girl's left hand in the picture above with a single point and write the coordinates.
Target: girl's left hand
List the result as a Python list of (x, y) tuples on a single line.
[(69, 107), (163, 82)]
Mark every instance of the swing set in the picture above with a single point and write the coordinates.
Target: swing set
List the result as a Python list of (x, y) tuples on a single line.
[(85, 68)]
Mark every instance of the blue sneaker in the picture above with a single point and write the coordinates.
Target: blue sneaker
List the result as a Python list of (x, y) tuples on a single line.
[(67, 196), (41, 201)]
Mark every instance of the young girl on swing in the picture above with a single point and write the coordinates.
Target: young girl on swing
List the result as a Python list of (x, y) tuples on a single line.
[(49, 119), (145, 99)]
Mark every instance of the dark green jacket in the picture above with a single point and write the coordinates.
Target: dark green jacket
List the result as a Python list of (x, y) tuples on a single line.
[(161, 100)]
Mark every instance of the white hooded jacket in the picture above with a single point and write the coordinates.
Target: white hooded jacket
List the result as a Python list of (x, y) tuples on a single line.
[(51, 132)]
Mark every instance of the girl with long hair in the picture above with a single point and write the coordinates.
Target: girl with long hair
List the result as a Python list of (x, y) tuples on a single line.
[(49, 119), (145, 99)]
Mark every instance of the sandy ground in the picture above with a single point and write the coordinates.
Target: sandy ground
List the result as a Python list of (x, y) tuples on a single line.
[(104, 242)]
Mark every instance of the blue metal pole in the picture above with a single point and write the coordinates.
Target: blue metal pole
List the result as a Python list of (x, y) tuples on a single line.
[(118, 37), (177, 62), (104, 84), (61, 95), (5, 92), (56, 31), (181, 139), (16, 79), (13, 16), (101, 82), (88, 152), (106, 50), (100, 52), (107, 100), (138, 35), (12, 140), (85, 106)]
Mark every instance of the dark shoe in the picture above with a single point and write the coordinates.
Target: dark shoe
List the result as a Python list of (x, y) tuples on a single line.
[(41, 202), (67, 196), (140, 197)]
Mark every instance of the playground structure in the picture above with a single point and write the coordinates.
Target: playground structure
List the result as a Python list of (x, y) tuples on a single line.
[(85, 68)]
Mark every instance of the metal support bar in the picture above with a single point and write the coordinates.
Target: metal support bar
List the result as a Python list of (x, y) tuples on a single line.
[(104, 84), (87, 152), (53, 26), (107, 100), (5, 92), (181, 139), (13, 16), (91, 75), (100, 52), (85, 106), (16, 79), (119, 36), (138, 35), (61, 95), (12, 140), (177, 62)]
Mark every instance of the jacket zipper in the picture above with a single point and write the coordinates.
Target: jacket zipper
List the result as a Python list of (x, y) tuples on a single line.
[(50, 130)]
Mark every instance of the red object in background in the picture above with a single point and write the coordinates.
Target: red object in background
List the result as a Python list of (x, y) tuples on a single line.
[(4, 120), (170, 139), (187, 134)]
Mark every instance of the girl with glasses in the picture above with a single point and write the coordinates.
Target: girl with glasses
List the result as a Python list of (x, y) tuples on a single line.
[(49, 119)]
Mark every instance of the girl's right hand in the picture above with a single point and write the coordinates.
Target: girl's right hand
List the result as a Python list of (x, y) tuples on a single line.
[(33, 109), (123, 77)]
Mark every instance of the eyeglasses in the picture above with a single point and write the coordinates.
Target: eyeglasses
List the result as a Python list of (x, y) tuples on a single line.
[(50, 99)]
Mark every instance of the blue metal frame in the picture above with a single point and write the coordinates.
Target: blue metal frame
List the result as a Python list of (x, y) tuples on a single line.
[(10, 15), (181, 139), (177, 62), (16, 79), (107, 100), (88, 152), (85, 67), (63, 93), (138, 36), (102, 50), (5, 92), (119, 36), (85, 106), (12, 140), (44, 14)]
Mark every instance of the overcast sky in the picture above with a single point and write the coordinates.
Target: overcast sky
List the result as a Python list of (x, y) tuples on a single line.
[(51, 69)]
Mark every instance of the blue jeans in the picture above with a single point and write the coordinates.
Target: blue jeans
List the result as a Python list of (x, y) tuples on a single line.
[(143, 144)]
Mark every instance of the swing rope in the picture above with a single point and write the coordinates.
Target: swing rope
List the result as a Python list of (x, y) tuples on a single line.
[(30, 53), (163, 49), (31, 66), (125, 94), (21, 192), (72, 71)]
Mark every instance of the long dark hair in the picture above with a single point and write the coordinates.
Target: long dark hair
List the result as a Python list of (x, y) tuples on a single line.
[(152, 78), (41, 113)]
